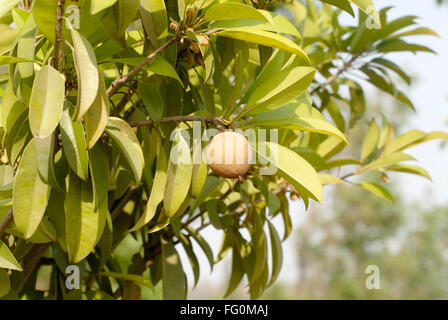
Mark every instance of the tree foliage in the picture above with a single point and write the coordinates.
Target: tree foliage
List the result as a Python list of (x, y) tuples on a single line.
[(89, 108)]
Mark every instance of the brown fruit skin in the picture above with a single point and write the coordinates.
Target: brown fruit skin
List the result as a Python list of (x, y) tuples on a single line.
[(228, 155)]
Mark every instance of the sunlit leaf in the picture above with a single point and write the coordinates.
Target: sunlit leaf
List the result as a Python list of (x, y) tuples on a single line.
[(46, 103)]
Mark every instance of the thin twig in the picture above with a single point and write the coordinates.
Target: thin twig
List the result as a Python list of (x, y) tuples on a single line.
[(218, 122), (121, 80), (338, 73), (31, 262), (57, 55), (7, 219)]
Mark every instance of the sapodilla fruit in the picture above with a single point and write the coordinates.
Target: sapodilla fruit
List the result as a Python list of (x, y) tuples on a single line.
[(228, 154)]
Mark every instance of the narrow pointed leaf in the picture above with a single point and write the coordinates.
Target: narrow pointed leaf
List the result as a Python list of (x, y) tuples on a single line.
[(157, 191), (7, 259), (174, 280), (179, 176), (75, 146), (95, 119), (265, 38), (84, 224), (87, 70)]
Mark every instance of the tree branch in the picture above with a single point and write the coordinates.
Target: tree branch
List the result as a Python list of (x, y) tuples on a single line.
[(57, 55), (7, 219), (31, 262), (218, 122), (340, 71), (120, 81)]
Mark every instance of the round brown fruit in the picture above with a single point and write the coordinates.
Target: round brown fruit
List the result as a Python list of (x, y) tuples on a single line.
[(228, 155)]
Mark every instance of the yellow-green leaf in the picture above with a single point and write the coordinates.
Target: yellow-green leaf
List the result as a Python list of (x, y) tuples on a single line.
[(84, 224), (378, 190), (46, 102), (75, 146), (157, 190), (179, 175), (7, 259), (30, 194), (233, 10), (265, 38), (95, 119), (279, 89), (99, 5), (88, 74), (124, 137), (174, 280), (370, 141), (292, 168)]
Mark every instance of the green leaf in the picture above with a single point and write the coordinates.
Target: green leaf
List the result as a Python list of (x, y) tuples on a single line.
[(44, 13), (116, 19), (152, 99), (124, 138), (365, 5), (200, 168), (96, 118), (30, 194), (5, 284), (203, 244), (180, 170), (405, 140), (6, 6), (370, 141), (341, 4), (174, 280), (264, 38), (75, 146), (276, 252), (279, 89), (395, 45), (8, 38), (157, 191), (7, 259), (84, 224), (237, 272), (409, 169), (46, 102), (25, 47), (417, 32), (4, 60), (292, 168), (158, 66), (378, 190), (329, 179), (99, 171), (45, 160), (88, 74), (11, 109), (99, 5), (154, 19), (186, 243), (259, 242), (392, 66), (387, 160), (296, 116), (279, 24), (233, 10), (129, 277)]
